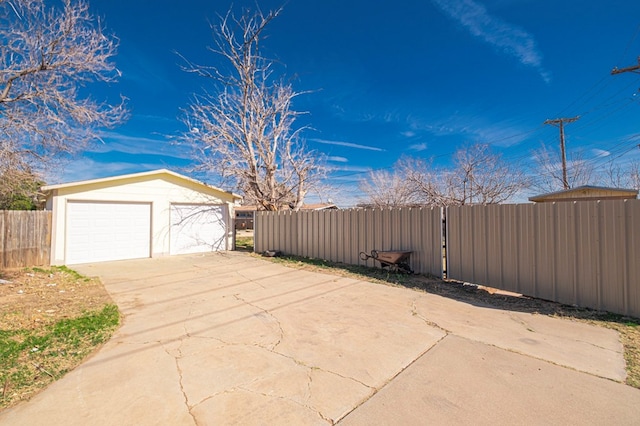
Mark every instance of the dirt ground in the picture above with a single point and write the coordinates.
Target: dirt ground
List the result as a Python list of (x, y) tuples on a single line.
[(32, 298)]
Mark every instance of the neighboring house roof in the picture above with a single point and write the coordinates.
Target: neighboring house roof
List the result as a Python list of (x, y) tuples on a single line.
[(137, 176), (317, 206), (587, 192)]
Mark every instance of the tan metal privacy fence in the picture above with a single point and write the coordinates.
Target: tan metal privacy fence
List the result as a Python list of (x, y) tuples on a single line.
[(25, 238), (581, 253), (340, 235)]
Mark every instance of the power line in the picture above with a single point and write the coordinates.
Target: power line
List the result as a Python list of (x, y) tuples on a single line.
[(626, 49)]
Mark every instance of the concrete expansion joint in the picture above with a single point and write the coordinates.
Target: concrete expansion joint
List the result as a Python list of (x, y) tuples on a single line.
[(277, 321), (391, 379)]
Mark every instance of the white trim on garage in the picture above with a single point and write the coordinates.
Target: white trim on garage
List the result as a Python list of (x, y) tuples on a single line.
[(98, 231), (197, 228)]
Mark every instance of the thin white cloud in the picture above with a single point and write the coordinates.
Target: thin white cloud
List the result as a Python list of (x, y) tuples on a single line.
[(418, 147), (504, 36), (119, 142), (600, 152), (337, 159), (408, 134), (351, 169), (347, 144), (504, 133), (85, 169)]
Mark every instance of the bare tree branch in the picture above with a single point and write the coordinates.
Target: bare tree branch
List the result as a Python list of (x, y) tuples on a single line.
[(548, 170), (47, 57), (245, 131), (622, 175), (477, 176)]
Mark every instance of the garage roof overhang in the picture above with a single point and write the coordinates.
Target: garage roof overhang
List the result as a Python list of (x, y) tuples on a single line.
[(48, 189)]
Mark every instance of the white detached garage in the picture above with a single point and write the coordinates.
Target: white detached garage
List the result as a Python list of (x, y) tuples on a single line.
[(148, 214)]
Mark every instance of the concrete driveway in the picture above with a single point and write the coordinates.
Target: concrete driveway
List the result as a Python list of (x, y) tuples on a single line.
[(229, 339)]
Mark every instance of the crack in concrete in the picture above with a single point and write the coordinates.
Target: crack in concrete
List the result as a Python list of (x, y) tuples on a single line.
[(291, 358), (284, 398), (530, 328), (297, 361), (177, 359), (303, 364), (272, 316), (415, 313)]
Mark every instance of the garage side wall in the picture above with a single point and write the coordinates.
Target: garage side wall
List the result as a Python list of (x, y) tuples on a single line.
[(161, 193)]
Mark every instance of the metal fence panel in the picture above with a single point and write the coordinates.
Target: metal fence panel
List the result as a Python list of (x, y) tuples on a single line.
[(340, 235), (581, 253)]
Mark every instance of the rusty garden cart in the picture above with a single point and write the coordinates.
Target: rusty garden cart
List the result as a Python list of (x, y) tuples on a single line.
[(396, 261)]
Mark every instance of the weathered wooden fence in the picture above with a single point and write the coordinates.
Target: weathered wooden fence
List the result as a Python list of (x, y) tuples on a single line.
[(340, 235), (583, 253), (25, 238)]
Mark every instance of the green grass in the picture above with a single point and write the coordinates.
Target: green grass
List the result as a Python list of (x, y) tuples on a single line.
[(244, 243), (58, 269), (31, 359)]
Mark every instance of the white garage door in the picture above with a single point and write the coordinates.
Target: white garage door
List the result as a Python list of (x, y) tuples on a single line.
[(102, 231), (197, 228)]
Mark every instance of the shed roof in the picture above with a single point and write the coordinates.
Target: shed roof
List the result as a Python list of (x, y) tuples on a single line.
[(586, 192), (137, 176)]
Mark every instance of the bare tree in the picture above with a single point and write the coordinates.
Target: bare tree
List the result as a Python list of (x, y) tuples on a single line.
[(547, 176), (245, 131), (431, 186), (389, 188), (478, 176), (47, 56), (634, 175), (486, 178), (622, 176), (19, 188)]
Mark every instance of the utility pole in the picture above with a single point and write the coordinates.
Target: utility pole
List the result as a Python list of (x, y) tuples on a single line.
[(559, 122), (633, 68)]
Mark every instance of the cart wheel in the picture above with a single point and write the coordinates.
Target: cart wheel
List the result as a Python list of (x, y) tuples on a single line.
[(374, 254), (405, 268), (364, 256)]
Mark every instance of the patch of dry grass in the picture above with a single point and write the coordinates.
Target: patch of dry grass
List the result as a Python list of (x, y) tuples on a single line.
[(50, 320)]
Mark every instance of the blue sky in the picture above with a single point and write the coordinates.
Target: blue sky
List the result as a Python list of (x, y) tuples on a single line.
[(387, 79)]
